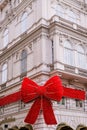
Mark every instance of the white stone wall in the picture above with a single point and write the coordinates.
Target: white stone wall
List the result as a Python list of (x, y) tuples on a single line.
[(45, 29)]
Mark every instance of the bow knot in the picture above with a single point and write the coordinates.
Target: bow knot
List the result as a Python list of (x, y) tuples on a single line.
[(41, 90), (52, 90)]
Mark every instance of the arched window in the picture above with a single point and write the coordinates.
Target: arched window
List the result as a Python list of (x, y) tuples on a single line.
[(81, 57), (68, 53), (60, 10), (72, 16), (4, 73), (5, 38), (24, 22), (23, 62)]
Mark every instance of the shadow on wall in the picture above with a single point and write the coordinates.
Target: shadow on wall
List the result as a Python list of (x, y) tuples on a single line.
[(81, 127), (63, 126), (26, 127), (1, 128)]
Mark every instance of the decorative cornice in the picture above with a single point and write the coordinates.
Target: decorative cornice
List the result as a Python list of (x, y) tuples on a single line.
[(12, 13), (7, 120), (25, 38), (65, 24)]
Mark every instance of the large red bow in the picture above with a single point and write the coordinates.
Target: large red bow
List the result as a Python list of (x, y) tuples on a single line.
[(42, 94)]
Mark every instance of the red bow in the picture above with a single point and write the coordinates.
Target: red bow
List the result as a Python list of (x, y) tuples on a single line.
[(42, 95)]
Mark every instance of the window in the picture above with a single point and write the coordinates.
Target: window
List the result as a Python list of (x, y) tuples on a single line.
[(4, 73), (68, 53), (81, 57), (23, 62), (63, 101), (24, 22), (79, 103), (60, 10), (22, 105), (72, 16), (1, 110), (5, 38)]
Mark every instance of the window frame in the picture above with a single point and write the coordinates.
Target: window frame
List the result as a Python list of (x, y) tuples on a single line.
[(4, 73), (60, 11), (5, 38), (71, 16), (24, 62), (81, 57), (79, 103), (24, 22), (68, 51)]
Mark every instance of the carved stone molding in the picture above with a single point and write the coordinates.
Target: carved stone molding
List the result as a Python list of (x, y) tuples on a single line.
[(6, 120), (3, 3)]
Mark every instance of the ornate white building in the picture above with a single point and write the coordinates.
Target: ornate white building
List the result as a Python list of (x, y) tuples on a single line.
[(39, 39)]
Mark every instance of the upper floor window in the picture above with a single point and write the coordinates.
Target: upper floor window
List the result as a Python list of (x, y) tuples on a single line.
[(4, 73), (60, 10), (63, 101), (1, 111), (24, 22), (22, 105), (23, 62), (5, 38), (81, 57), (72, 16), (68, 53)]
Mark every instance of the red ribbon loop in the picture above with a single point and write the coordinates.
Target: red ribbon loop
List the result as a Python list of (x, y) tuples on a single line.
[(42, 95)]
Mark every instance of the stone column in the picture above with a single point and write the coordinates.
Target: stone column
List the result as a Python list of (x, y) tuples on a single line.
[(58, 52)]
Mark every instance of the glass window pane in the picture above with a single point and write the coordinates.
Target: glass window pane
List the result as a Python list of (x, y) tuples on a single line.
[(68, 53), (72, 16), (4, 73), (81, 57), (24, 61), (80, 49), (60, 10), (24, 22), (79, 103), (5, 38)]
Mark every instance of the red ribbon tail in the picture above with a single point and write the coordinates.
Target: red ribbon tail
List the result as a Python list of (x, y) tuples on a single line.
[(48, 112), (34, 112)]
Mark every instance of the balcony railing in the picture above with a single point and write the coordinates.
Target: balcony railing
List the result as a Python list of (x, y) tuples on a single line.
[(82, 72), (69, 68)]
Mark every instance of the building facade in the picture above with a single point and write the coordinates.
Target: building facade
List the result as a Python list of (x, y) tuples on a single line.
[(40, 39)]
